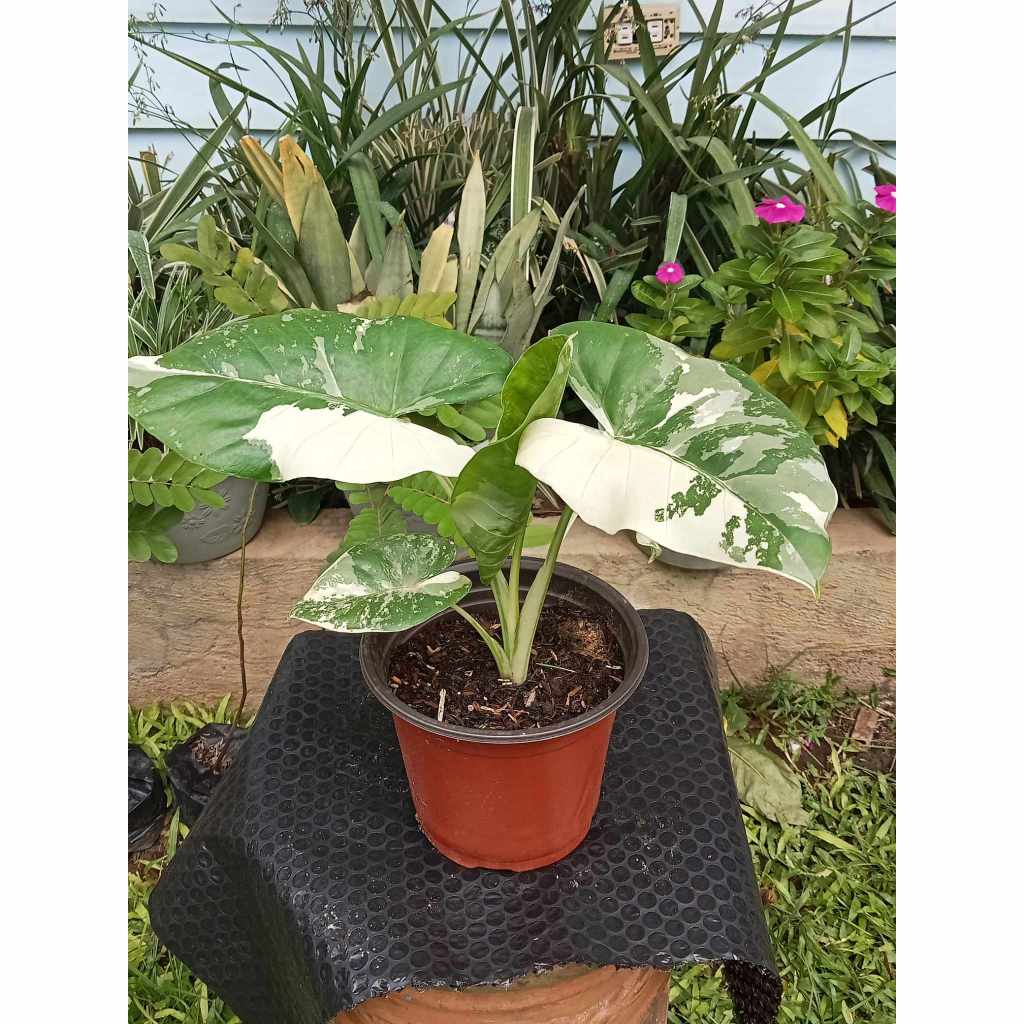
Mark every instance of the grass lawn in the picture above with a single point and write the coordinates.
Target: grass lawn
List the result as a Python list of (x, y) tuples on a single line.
[(829, 887)]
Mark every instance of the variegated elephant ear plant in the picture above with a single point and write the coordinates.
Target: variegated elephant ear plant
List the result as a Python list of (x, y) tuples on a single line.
[(690, 452)]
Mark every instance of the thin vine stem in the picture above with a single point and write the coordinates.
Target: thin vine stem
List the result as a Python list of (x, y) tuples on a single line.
[(238, 608)]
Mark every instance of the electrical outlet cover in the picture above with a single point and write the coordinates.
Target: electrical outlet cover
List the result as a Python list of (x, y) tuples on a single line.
[(622, 37)]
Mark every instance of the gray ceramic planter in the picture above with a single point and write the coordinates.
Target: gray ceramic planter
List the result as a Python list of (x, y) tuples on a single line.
[(206, 533)]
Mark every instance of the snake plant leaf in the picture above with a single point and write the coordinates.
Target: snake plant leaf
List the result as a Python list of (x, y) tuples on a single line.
[(690, 452), (314, 393), (493, 497), (384, 586)]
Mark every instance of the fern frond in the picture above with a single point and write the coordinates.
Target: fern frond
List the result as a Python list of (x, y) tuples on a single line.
[(169, 481), (381, 518), (147, 533), (429, 306), (428, 495)]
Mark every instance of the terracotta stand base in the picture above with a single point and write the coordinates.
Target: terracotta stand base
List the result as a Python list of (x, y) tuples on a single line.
[(566, 995)]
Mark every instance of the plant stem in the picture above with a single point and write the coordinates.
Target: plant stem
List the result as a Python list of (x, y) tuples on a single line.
[(499, 588), (513, 580), (238, 611), (529, 615), (504, 666)]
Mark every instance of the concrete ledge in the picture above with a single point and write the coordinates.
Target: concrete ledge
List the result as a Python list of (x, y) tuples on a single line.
[(181, 619)]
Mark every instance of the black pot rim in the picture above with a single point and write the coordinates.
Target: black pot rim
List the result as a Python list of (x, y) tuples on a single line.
[(633, 672)]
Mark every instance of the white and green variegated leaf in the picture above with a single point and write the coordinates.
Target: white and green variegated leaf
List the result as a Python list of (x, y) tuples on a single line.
[(691, 453), (384, 586), (311, 393)]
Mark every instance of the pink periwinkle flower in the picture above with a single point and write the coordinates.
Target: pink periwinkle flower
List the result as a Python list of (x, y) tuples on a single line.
[(670, 273), (885, 197), (781, 210)]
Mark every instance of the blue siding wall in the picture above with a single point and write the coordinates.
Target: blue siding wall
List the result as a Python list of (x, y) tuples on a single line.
[(195, 28)]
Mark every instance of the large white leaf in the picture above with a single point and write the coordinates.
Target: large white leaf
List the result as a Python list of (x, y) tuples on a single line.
[(384, 586), (311, 393), (691, 453)]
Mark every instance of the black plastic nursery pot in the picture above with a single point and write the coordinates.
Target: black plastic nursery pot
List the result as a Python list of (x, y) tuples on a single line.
[(146, 800), (195, 766), (519, 799)]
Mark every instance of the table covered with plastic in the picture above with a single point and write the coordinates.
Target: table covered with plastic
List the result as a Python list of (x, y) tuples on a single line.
[(306, 886)]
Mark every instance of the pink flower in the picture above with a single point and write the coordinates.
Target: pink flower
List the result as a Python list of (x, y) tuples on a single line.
[(781, 210), (885, 197), (670, 273)]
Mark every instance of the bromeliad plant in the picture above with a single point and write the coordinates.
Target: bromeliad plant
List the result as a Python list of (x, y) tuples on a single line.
[(689, 451)]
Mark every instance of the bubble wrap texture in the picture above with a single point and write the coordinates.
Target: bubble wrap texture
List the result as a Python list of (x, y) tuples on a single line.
[(306, 887)]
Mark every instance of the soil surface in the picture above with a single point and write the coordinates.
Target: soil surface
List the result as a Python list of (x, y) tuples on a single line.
[(576, 663)]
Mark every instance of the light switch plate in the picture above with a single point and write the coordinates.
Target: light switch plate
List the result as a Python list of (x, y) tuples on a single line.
[(621, 40)]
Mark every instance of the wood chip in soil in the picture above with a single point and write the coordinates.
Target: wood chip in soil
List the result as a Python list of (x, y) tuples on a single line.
[(576, 664)]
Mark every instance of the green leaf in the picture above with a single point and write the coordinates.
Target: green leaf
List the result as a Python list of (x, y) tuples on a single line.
[(885, 446), (323, 251), (820, 167), (395, 115), (428, 496), (150, 471), (690, 452), (470, 234), (867, 413), (819, 324), (138, 547), (833, 840), (787, 305), (806, 244), (393, 275), (186, 183), (367, 195), (802, 405), (820, 294), (147, 533), (737, 189), (493, 497), (764, 269), (138, 250), (304, 506), (452, 418), (823, 398), (674, 226), (523, 142), (851, 345), (380, 519), (538, 535), (789, 357), (765, 782), (310, 393), (747, 333), (385, 586)]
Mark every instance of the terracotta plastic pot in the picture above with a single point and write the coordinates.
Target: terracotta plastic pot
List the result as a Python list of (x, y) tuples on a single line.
[(513, 800), (566, 995)]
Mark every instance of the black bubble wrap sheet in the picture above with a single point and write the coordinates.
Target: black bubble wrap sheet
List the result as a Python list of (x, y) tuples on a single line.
[(306, 886)]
